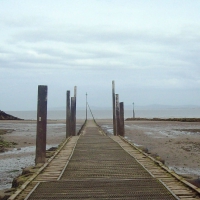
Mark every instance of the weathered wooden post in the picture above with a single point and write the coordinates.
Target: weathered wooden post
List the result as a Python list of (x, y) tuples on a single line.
[(122, 132), (68, 115), (73, 123), (75, 96), (113, 102), (117, 115), (41, 125)]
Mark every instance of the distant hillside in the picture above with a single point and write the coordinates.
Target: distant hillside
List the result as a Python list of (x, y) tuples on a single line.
[(5, 116), (136, 107)]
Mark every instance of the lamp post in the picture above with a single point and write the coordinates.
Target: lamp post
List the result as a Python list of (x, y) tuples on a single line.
[(133, 111), (86, 105)]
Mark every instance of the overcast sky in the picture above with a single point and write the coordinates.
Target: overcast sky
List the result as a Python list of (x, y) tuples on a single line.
[(150, 48)]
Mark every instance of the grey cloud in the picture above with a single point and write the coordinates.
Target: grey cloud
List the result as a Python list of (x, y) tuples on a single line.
[(136, 48), (82, 37), (26, 22)]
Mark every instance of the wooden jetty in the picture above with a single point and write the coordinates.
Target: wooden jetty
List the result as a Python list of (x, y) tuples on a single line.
[(95, 166)]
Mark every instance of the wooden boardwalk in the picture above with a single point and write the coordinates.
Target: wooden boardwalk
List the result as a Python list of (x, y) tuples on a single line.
[(95, 166)]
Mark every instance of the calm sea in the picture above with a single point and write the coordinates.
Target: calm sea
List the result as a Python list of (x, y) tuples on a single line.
[(107, 114)]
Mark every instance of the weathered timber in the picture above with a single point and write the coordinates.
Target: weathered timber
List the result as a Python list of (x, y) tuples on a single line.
[(122, 132), (41, 125), (68, 113), (73, 121), (114, 110), (117, 115)]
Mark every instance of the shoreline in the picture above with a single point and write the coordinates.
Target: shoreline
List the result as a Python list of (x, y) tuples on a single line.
[(189, 119)]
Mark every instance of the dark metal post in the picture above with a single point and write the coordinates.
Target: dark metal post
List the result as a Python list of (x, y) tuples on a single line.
[(122, 132), (114, 112), (73, 123), (86, 107), (117, 115), (133, 111), (41, 125), (68, 115)]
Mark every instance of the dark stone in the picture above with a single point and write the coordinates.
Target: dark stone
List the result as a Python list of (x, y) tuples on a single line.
[(195, 182), (52, 149)]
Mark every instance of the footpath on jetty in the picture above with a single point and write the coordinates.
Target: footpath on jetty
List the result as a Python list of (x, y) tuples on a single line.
[(95, 166)]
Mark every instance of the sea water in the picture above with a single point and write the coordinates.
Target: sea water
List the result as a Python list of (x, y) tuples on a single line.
[(107, 114)]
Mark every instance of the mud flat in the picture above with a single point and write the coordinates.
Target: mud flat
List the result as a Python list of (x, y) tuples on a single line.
[(175, 143), (22, 155)]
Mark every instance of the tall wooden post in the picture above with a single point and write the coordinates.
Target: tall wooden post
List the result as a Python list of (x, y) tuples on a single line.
[(75, 96), (73, 123), (113, 103), (117, 115), (41, 125), (122, 132), (68, 115)]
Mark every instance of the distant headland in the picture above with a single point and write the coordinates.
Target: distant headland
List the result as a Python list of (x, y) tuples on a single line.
[(5, 116)]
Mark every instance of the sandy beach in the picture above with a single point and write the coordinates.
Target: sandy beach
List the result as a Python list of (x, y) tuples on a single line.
[(177, 143)]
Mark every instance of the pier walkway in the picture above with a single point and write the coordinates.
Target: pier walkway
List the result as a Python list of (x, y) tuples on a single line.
[(95, 166)]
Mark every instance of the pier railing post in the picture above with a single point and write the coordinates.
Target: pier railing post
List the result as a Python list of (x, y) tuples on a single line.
[(117, 115), (41, 125), (73, 123), (114, 111), (122, 132), (68, 115)]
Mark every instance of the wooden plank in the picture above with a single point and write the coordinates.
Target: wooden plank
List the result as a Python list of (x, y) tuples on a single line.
[(58, 165)]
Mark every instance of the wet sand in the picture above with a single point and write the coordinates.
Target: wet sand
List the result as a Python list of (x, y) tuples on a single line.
[(23, 154), (177, 143)]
